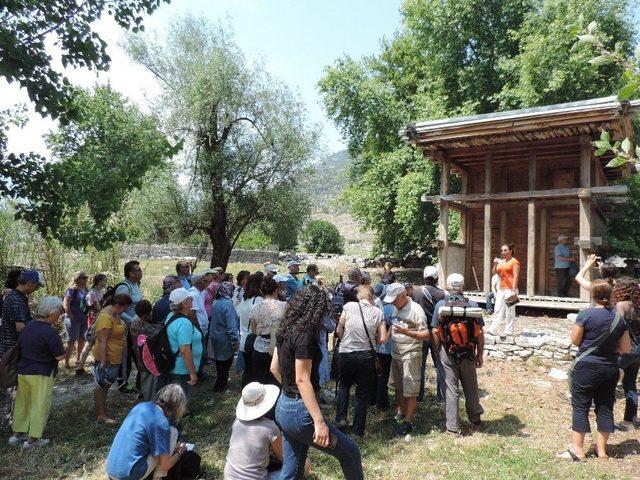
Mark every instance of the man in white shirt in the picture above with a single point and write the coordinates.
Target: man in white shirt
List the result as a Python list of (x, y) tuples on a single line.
[(199, 284)]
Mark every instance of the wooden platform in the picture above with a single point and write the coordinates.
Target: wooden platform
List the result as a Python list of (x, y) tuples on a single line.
[(551, 303)]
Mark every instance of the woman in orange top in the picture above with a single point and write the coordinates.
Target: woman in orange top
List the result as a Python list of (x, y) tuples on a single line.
[(508, 269)]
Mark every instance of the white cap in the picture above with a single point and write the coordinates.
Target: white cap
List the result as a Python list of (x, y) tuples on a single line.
[(562, 237), (178, 296), (430, 272), (292, 263), (271, 268), (455, 282), (257, 399), (393, 290), (280, 278)]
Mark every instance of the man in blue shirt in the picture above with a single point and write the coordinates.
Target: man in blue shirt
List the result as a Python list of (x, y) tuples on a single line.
[(292, 284), (183, 272), (562, 264)]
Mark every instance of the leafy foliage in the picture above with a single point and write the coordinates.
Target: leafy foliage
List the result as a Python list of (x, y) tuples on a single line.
[(321, 236), (248, 137), (101, 156), (624, 227), (449, 58), (24, 27)]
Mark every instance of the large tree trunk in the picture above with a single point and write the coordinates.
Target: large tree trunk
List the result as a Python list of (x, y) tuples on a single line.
[(221, 251), (221, 246)]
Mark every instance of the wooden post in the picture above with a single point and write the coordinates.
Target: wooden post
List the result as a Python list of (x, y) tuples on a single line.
[(488, 171), (531, 227), (443, 226), (503, 226), (585, 207), (542, 258), (464, 216)]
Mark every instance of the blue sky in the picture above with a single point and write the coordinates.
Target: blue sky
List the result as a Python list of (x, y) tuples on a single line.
[(294, 39)]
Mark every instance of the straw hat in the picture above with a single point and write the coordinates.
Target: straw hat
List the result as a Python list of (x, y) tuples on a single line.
[(257, 399)]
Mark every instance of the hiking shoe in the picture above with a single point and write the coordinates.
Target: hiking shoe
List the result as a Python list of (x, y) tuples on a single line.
[(41, 442), (405, 428), (342, 423), (15, 440), (477, 426)]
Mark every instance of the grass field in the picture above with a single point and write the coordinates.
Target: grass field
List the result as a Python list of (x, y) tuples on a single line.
[(527, 415)]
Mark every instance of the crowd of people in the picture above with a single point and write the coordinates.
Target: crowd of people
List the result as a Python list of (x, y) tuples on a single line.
[(276, 328)]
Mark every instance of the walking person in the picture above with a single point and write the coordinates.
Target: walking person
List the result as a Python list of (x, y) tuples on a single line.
[(75, 317), (295, 363), (252, 298), (600, 335), (93, 301), (410, 329), (108, 351), (224, 334), (427, 296), (129, 286), (40, 351), (508, 269), (360, 327), (460, 356), (383, 350), (562, 265), (15, 316), (625, 298)]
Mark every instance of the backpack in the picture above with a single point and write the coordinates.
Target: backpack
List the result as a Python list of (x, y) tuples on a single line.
[(84, 306), (345, 293), (459, 335), (155, 350), (107, 298), (9, 367)]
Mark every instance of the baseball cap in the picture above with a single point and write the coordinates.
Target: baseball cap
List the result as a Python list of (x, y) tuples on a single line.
[(32, 276), (379, 289), (293, 263), (430, 272), (393, 290), (178, 296), (562, 237), (455, 281), (196, 278), (271, 268), (280, 278)]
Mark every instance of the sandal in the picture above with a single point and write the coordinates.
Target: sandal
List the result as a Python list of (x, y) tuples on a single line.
[(569, 455), (107, 421)]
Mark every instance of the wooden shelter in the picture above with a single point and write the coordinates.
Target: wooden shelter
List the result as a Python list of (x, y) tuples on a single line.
[(527, 176)]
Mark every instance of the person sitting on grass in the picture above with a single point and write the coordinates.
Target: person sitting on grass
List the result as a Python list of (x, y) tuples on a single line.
[(40, 350), (255, 447), (146, 445), (108, 351)]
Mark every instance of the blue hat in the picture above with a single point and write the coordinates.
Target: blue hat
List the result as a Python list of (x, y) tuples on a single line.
[(32, 276)]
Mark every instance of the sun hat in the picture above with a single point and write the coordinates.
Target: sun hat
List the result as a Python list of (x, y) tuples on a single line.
[(562, 237), (293, 263), (393, 290), (455, 281), (178, 296), (271, 268), (430, 272), (257, 399), (280, 278)]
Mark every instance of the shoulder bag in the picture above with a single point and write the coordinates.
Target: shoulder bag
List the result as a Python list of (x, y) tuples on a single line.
[(599, 341), (376, 360)]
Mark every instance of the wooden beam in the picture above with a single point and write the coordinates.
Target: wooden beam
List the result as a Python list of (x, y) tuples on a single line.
[(529, 195), (531, 248), (542, 258), (488, 172), (510, 147), (443, 226), (533, 170), (585, 207)]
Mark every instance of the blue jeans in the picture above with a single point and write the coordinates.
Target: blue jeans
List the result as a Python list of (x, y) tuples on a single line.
[(631, 391), (440, 387), (297, 436)]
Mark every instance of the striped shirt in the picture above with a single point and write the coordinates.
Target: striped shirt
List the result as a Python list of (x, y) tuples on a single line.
[(15, 309)]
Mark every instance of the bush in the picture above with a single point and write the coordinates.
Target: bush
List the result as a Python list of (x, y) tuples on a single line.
[(322, 237)]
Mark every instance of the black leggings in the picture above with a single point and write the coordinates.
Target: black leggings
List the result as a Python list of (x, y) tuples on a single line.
[(222, 374), (261, 369), (593, 382)]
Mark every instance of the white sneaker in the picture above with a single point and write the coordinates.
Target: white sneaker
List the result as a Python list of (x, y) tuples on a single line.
[(41, 442), (14, 440)]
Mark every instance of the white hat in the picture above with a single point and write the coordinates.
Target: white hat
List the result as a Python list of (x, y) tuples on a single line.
[(257, 399), (430, 272), (562, 237), (271, 268), (455, 282), (292, 263), (178, 296), (280, 278), (393, 290)]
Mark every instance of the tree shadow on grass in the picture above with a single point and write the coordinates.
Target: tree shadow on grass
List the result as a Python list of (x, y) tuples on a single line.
[(508, 426)]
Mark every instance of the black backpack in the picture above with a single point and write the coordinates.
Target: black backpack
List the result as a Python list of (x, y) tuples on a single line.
[(345, 293), (107, 298), (156, 352)]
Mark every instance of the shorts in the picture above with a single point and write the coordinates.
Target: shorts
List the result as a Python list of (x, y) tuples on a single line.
[(106, 377), (75, 329), (405, 374)]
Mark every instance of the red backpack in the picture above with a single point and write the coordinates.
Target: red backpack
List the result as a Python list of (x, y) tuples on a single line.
[(459, 335)]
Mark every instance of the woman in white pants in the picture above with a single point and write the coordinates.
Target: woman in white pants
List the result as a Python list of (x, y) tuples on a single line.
[(508, 269)]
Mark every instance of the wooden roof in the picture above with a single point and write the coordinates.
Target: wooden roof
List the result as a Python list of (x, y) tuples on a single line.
[(526, 125)]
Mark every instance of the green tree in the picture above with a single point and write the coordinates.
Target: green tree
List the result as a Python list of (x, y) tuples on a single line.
[(249, 141), (321, 236), (100, 157), (449, 58)]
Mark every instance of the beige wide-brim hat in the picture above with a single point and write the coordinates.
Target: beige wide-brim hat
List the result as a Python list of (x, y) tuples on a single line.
[(257, 399)]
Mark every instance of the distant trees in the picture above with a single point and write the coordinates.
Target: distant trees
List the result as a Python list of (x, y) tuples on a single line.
[(321, 236), (248, 140)]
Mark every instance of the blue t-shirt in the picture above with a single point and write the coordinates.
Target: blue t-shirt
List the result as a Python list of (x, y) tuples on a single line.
[(597, 321), (435, 319), (183, 332), (387, 348), (40, 344), (562, 251), (144, 432), (291, 286)]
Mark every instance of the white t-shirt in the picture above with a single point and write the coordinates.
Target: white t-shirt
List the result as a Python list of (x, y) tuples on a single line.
[(198, 307), (267, 314), (248, 455), (415, 319), (354, 338), (244, 315)]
